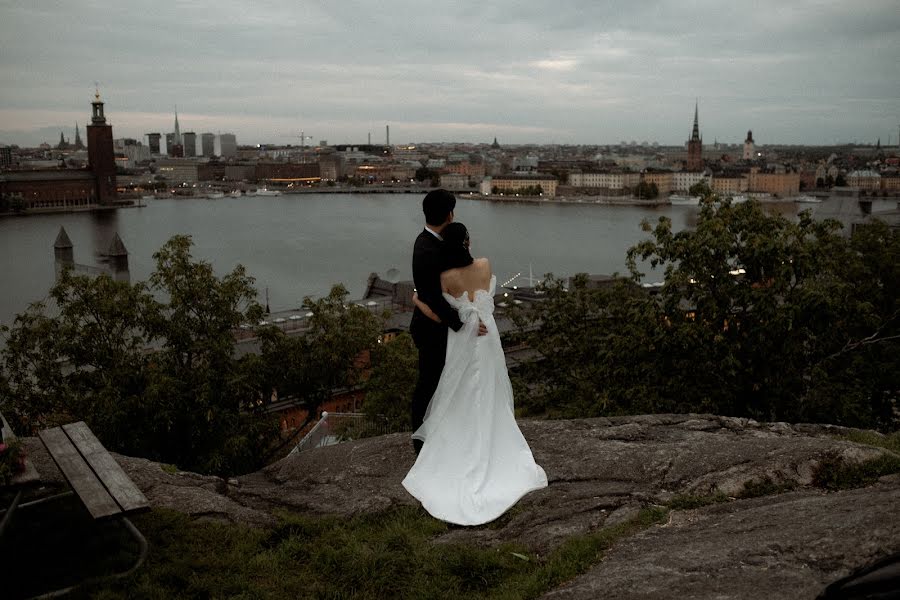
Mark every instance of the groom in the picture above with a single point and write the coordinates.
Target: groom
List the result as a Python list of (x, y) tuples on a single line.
[(431, 337)]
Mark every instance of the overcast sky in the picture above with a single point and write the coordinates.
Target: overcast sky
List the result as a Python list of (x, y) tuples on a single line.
[(538, 71)]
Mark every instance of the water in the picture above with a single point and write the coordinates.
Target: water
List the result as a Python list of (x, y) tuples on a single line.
[(299, 245)]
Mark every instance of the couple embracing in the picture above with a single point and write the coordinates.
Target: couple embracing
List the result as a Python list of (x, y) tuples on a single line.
[(472, 461)]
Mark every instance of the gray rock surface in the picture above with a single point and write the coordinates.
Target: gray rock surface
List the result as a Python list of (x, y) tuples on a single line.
[(601, 472), (785, 547)]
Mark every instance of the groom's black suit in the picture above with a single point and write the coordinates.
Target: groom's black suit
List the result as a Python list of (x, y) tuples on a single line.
[(430, 337)]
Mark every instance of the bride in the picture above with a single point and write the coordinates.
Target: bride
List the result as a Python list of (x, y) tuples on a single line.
[(475, 464)]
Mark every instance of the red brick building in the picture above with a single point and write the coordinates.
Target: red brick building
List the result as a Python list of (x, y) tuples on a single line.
[(69, 189)]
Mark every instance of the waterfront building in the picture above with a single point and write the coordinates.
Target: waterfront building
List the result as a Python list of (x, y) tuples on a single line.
[(662, 179), (695, 145), (330, 167), (749, 147), (283, 173), (682, 181), (189, 141), (131, 151), (511, 184), (136, 153), (864, 179), (240, 172), (65, 189), (409, 153), (454, 181), (890, 182), (153, 143), (6, 159), (727, 183), (783, 185), (227, 145), (219, 171), (611, 180), (807, 177), (474, 171), (179, 171), (207, 144)]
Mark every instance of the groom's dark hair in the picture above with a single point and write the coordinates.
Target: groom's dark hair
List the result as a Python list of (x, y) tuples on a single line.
[(437, 206)]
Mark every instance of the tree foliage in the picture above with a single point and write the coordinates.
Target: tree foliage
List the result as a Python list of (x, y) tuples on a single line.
[(391, 383), (701, 189), (646, 189), (759, 316), (152, 368), (332, 354)]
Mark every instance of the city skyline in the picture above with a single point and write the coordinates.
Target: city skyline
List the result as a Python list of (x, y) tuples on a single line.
[(812, 72)]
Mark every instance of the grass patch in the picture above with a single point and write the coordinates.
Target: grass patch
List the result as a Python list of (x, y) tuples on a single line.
[(870, 438), (833, 473), (385, 555), (58, 544), (765, 487)]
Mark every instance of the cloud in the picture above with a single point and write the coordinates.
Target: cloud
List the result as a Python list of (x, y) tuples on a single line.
[(580, 71)]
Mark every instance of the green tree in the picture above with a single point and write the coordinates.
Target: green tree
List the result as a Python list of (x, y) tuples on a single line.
[(594, 355), (759, 316), (646, 190), (701, 189), (424, 173), (332, 354), (391, 383), (152, 377)]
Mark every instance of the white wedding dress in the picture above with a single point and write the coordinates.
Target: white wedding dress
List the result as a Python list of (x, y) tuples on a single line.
[(474, 464)]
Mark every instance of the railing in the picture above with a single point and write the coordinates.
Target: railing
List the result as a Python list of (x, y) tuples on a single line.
[(334, 428)]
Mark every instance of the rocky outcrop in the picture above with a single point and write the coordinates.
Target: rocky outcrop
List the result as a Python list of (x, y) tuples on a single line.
[(782, 547), (601, 472)]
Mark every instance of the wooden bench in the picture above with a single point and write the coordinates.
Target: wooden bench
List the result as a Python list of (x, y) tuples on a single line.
[(94, 475), (97, 479)]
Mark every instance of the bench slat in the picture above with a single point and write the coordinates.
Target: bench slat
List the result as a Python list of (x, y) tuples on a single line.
[(79, 475), (110, 473)]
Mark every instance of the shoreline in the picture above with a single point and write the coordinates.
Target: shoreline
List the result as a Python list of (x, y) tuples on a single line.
[(462, 194)]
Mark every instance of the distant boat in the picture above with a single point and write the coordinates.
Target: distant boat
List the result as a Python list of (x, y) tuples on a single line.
[(677, 200), (215, 195), (235, 194), (250, 193), (808, 199), (267, 192)]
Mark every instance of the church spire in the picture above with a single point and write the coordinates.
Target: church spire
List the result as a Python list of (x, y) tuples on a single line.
[(695, 133), (177, 128), (79, 145)]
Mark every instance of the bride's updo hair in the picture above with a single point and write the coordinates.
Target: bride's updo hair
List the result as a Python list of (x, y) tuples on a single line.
[(456, 245)]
